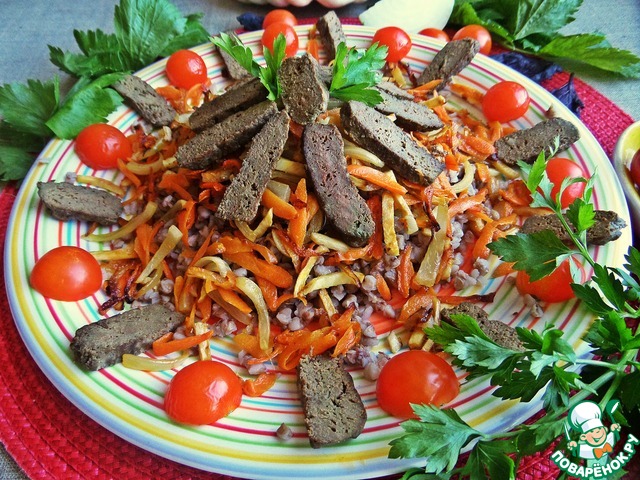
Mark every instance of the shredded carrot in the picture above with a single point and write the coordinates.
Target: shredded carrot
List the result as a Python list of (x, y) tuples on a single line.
[(260, 385), (269, 292), (234, 299), (462, 204), (480, 249), (260, 268), (376, 177), (280, 208), (382, 286), (405, 272), (429, 86), (517, 193), (418, 301), (313, 48), (166, 347), (502, 270)]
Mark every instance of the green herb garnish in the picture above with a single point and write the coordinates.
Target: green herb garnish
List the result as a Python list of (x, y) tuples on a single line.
[(35, 111), (534, 26), (547, 364), (354, 73)]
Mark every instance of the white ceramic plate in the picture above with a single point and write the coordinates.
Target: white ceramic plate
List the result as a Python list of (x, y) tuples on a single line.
[(244, 444)]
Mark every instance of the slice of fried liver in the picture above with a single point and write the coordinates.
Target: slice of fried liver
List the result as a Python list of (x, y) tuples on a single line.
[(333, 409), (102, 343), (449, 61), (145, 100), (527, 144), (400, 152), (242, 197), (225, 137), (345, 209), (67, 201), (304, 94)]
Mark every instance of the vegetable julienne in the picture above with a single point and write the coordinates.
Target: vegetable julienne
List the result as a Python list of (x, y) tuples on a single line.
[(280, 255), (212, 278)]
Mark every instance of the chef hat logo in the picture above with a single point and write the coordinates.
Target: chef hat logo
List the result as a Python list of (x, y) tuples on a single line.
[(585, 417)]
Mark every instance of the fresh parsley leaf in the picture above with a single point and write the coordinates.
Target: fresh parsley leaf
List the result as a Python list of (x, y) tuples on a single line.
[(582, 216), (193, 34), (489, 459), (354, 73), (14, 162), (591, 298), (524, 19), (269, 76), (91, 104), (629, 392), (609, 335), (360, 92), (557, 392), (522, 385), (420, 474), (537, 253), (26, 107), (610, 286), (533, 26), (537, 437), (594, 50), (439, 436), (143, 31), (236, 49), (476, 351)]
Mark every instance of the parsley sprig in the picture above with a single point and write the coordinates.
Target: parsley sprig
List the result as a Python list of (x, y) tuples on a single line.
[(355, 73), (534, 27), (547, 365), (242, 54), (35, 111)]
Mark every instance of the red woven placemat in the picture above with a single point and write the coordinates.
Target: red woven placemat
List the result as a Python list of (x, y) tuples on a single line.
[(51, 439)]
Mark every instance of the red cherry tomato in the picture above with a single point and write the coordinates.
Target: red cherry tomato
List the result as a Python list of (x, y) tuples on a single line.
[(634, 168), (66, 273), (397, 41), (186, 69), (202, 393), (478, 32), (279, 15), (291, 37), (555, 287), (99, 146), (415, 376), (557, 170), (505, 101), (435, 33)]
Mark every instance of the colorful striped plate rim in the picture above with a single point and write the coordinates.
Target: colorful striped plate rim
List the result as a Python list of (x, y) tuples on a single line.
[(129, 403)]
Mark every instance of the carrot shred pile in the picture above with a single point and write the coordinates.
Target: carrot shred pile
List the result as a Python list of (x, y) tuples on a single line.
[(249, 273)]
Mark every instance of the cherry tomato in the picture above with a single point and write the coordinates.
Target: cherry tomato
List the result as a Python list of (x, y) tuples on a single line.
[(505, 101), (279, 15), (555, 287), (66, 273), (202, 393), (435, 33), (271, 33), (415, 376), (634, 168), (478, 32), (186, 69), (99, 146), (557, 170), (397, 41)]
